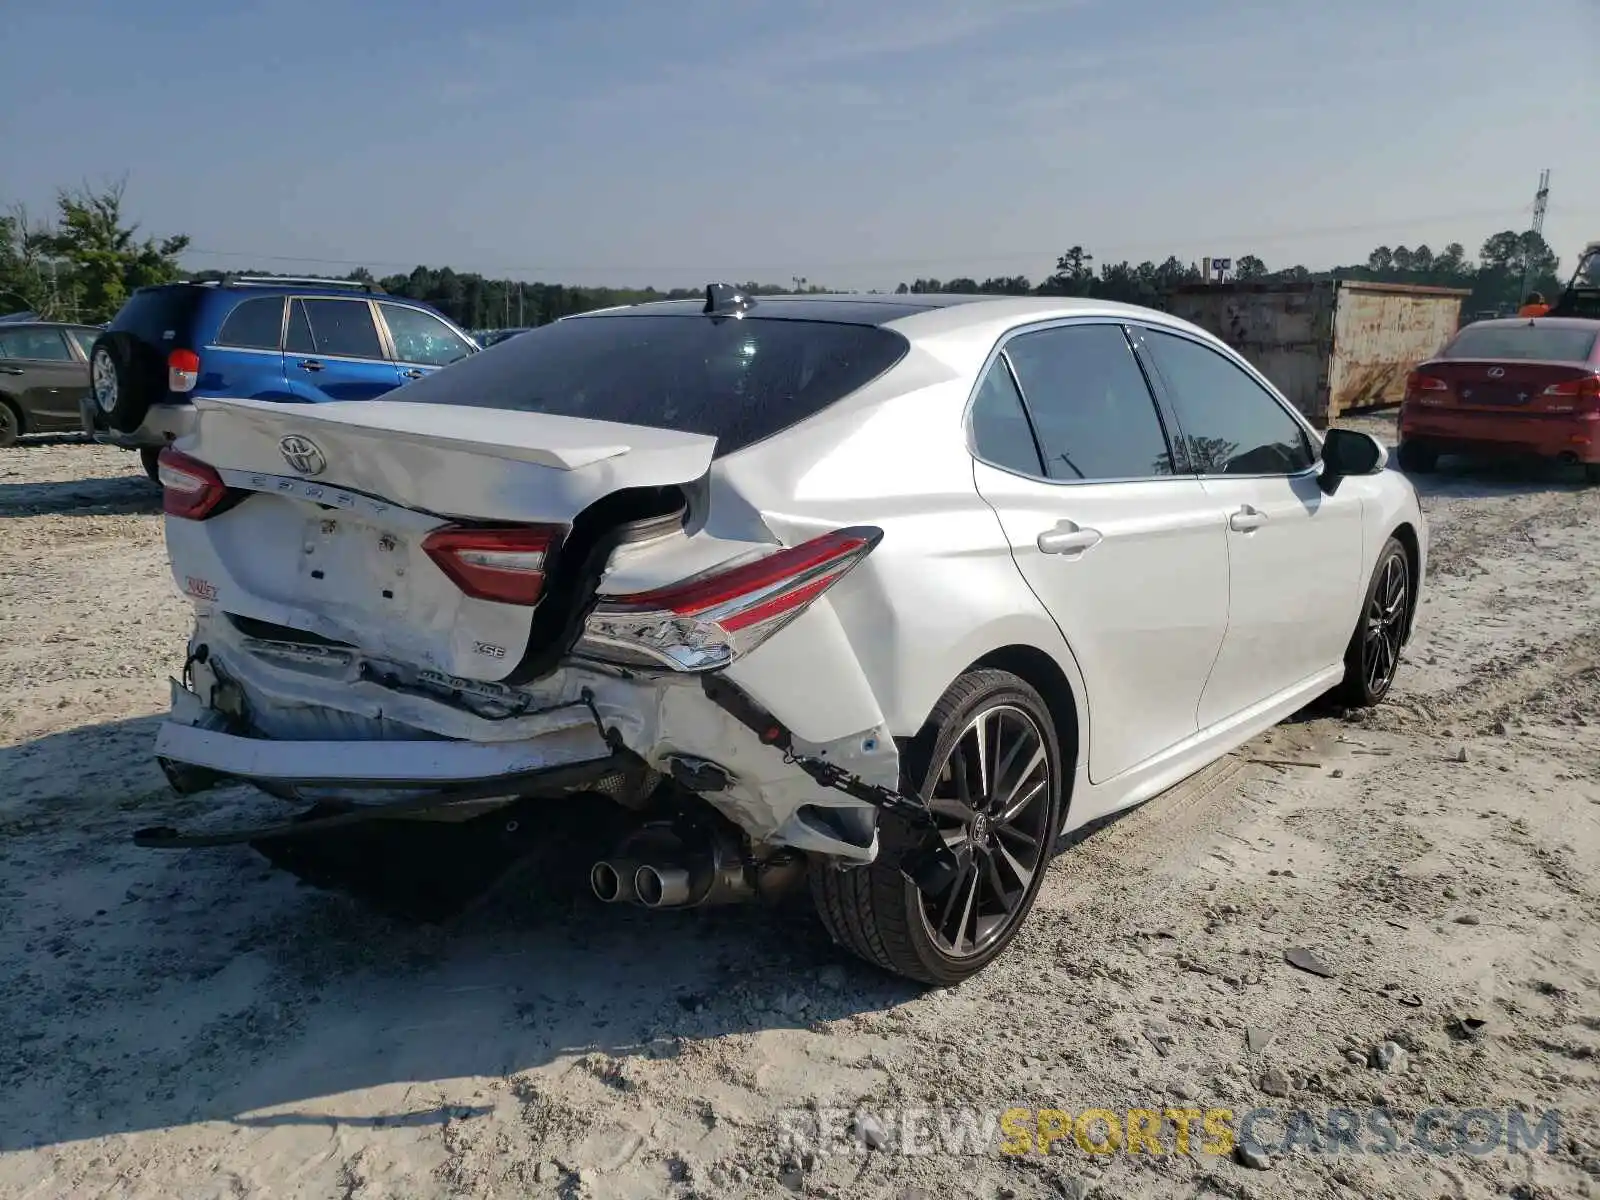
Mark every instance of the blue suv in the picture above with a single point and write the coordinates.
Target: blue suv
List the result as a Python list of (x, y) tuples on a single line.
[(298, 341)]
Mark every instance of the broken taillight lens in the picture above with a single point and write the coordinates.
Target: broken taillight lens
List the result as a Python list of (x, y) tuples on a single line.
[(708, 621), (189, 488), (502, 563)]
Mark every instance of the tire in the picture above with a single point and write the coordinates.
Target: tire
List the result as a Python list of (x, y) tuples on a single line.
[(10, 423), (149, 457), (1591, 474), (878, 914), (1417, 458), (124, 380), (1373, 656)]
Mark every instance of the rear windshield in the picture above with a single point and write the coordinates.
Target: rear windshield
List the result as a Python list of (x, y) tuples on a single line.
[(1541, 342), (159, 316), (737, 380)]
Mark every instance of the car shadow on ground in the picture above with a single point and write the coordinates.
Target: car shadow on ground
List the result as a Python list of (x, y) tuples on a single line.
[(112, 495), (1468, 478), (146, 989)]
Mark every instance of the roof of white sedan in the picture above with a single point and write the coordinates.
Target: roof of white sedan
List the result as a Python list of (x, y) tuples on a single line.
[(871, 308)]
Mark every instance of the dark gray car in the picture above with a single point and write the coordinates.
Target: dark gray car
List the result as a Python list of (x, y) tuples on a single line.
[(44, 370)]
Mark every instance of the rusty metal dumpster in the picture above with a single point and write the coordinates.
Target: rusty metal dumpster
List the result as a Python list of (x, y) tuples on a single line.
[(1330, 346)]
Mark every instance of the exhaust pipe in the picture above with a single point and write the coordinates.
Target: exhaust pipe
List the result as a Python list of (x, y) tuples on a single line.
[(613, 881), (663, 887), (676, 864)]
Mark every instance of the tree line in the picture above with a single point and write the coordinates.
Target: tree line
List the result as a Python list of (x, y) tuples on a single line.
[(84, 261)]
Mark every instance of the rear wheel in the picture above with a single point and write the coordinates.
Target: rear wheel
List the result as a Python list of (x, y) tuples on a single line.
[(1418, 457), (988, 762), (150, 457), (1373, 656), (10, 423)]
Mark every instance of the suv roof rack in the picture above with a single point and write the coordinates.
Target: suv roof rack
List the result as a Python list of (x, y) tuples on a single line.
[(360, 285)]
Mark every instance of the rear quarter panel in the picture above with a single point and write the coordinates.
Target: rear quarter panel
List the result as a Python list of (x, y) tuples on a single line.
[(941, 590)]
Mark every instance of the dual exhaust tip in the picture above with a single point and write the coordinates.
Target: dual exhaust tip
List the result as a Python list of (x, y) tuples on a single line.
[(622, 881)]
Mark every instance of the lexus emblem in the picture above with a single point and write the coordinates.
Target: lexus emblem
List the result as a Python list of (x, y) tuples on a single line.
[(302, 454), (1496, 372)]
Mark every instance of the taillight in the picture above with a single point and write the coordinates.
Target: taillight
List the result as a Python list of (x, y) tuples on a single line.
[(504, 563), (1419, 385), (1584, 390), (708, 621), (183, 370), (189, 488)]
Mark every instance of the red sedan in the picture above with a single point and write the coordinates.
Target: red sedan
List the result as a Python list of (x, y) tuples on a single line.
[(1512, 387)]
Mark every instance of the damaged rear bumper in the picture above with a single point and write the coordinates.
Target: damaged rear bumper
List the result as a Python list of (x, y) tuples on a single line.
[(427, 763)]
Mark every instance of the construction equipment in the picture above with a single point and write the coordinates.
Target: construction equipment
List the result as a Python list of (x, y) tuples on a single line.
[(1582, 295)]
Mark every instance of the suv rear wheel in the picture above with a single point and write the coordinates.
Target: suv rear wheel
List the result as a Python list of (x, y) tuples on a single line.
[(988, 762)]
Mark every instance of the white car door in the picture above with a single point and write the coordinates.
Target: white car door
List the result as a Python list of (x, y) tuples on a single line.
[(1129, 558), (1295, 554)]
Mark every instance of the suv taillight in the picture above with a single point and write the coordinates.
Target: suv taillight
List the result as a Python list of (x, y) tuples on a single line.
[(503, 563), (708, 621), (183, 370), (189, 488)]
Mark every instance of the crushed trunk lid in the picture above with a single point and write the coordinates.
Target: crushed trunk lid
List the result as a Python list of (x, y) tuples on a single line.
[(358, 521)]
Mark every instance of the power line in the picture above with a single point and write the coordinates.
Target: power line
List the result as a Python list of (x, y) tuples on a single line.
[(1253, 238)]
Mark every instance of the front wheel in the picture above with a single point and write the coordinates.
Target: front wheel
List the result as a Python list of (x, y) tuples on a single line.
[(988, 763), (1373, 656)]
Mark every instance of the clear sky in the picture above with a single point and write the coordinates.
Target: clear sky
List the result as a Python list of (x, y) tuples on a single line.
[(853, 142)]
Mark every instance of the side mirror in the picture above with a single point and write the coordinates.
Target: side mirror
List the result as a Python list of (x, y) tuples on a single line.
[(1346, 452)]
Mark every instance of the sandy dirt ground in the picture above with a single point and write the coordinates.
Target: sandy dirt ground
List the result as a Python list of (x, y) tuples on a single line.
[(195, 1024)]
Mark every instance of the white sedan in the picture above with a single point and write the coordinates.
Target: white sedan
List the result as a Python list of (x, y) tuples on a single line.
[(890, 592)]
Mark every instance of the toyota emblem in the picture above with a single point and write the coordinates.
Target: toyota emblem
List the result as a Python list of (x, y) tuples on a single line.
[(302, 454), (1497, 372)]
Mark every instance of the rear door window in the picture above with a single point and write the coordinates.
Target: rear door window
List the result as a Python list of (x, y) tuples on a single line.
[(1231, 424), (257, 324), (1001, 434), (1092, 410), (337, 328), (1531, 342), (738, 380), (41, 345)]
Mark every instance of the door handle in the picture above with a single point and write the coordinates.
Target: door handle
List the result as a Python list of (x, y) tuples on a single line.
[(413, 373), (309, 364), (10, 370), (1246, 519), (1067, 538)]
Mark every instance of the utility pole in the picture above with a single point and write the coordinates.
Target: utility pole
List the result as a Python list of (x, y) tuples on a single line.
[(1541, 200)]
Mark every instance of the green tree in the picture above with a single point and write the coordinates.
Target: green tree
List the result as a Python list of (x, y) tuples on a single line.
[(1250, 267), (103, 253)]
